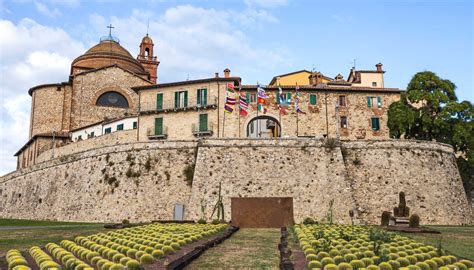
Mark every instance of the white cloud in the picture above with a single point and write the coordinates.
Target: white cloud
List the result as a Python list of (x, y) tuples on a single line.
[(45, 10), (31, 54), (188, 40), (266, 3)]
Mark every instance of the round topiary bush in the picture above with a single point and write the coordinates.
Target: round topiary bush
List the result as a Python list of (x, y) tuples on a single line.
[(424, 266), (116, 258), (439, 261), (21, 267), (133, 265), (385, 266), (314, 264), (350, 257), (356, 264), (367, 261), (395, 264), (311, 257), (157, 253), (327, 260), (460, 266), (339, 259), (413, 267), (117, 267), (146, 259), (467, 263), (106, 266), (344, 266), (404, 262), (330, 266), (167, 249), (373, 267)]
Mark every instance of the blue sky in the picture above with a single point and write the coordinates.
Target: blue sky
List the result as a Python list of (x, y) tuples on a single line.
[(256, 39)]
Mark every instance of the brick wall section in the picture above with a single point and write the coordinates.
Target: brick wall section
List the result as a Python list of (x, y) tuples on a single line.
[(82, 186)]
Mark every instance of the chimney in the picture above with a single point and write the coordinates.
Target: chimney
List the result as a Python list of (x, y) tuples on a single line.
[(226, 73), (379, 67), (217, 75)]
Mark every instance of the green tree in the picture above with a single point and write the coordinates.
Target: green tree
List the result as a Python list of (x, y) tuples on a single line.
[(429, 110)]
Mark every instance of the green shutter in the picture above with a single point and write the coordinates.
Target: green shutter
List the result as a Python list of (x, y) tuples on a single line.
[(199, 97), (176, 99), (203, 122), (312, 99), (185, 99), (159, 101), (369, 102), (288, 96), (247, 96), (204, 97), (159, 126), (379, 102), (277, 95)]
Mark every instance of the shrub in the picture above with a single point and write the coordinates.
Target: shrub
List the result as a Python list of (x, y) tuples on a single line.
[(460, 266), (201, 221), (215, 222), (330, 266), (385, 266), (157, 253), (424, 266), (308, 221), (356, 264), (133, 265), (314, 264), (367, 261), (395, 264), (403, 262), (350, 257), (373, 267), (125, 221), (467, 263), (167, 249), (344, 266), (414, 221), (327, 260), (117, 267), (146, 259)]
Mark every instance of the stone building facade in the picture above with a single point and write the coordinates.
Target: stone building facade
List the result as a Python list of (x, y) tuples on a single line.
[(98, 89)]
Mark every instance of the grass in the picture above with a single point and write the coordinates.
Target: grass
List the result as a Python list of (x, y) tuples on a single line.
[(246, 249), (458, 240), (26, 222), (46, 231)]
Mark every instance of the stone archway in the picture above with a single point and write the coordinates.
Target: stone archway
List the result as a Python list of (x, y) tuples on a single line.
[(263, 126)]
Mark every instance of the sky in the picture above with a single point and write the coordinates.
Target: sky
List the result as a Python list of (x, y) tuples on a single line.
[(255, 39)]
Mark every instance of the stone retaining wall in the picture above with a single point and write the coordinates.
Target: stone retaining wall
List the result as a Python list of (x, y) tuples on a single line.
[(143, 181)]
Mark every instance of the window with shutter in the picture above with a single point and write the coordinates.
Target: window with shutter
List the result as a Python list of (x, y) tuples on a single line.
[(288, 97), (199, 97), (379, 102), (204, 97), (159, 126), (159, 101), (343, 122), (247, 97), (108, 130), (369, 102), (203, 122), (375, 124), (120, 127), (185, 99), (176, 99), (312, 99)]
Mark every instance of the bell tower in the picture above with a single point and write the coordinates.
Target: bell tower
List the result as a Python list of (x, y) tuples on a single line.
[(147, 59)]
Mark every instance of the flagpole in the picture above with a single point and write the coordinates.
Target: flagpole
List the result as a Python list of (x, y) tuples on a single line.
[(297, 100), (279, 109), (238, 105), (258, 124)]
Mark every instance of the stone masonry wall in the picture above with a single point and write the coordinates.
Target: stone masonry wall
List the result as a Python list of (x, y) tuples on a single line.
[(425, 171), (143, 181), (139, 182)]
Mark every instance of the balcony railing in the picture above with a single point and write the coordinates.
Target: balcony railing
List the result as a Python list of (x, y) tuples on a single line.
[(199, 130), (170, 107), (152, 134)]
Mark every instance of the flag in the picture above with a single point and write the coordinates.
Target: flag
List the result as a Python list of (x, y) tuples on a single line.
[(261, 108), (297, 100), (243, 105), (230, 101), (230, 87), (228, 109), (261, 96)]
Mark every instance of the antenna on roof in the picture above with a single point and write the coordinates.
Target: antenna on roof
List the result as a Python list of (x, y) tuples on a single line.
[(313, 69), (147, 26), (354, 66)]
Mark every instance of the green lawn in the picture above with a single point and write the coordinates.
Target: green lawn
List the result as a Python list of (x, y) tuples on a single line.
[(245, 249), (458, 240), (46, 231), (26, 222)]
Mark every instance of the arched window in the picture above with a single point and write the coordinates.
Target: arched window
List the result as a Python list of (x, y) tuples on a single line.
[(112, 99), (147, 52)]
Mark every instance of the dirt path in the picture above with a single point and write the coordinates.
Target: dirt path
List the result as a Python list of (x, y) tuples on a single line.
[(246, 249)]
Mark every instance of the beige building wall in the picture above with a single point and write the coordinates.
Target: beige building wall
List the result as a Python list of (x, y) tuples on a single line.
[(47, 110), (366, 79)]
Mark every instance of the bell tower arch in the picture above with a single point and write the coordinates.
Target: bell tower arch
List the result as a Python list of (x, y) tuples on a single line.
[(148, 60)]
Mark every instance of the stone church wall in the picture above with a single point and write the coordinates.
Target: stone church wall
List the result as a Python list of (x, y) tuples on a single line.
[(143, 181)]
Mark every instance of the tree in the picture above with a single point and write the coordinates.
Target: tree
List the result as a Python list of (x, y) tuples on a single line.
[(429, 110)]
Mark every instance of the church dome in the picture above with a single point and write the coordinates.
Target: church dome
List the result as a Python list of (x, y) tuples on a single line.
[(147, 40), (106, 53)]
